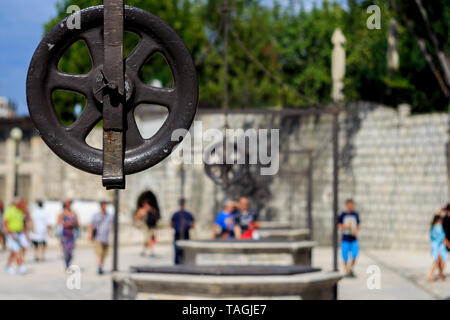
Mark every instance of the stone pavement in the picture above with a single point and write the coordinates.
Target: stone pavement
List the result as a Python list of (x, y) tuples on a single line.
[(403, 275), (47, 280)]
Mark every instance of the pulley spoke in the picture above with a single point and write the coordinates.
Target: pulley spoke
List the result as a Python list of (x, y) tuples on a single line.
[(140, 55), (133, 136), (94, 42), (72, 82), (85, 122), (158, 96)]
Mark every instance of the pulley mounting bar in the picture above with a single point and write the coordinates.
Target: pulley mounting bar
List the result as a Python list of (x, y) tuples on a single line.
[(113, 95)]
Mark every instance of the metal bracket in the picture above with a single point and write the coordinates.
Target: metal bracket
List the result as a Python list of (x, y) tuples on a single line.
[(113, 95)]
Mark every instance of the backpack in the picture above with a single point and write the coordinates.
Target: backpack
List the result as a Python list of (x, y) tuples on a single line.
[(151, 219)]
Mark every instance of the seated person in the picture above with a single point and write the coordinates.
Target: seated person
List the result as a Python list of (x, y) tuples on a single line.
[(245, 220), (225, 222)]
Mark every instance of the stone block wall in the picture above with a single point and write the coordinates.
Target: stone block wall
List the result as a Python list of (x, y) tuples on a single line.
[(394, 165), (399, 174)]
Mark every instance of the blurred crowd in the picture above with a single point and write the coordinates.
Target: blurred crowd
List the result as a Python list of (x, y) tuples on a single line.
[(235, 221), (21, 228)]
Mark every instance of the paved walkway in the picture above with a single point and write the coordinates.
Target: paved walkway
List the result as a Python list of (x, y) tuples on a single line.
[(403, 275), (47, 280)]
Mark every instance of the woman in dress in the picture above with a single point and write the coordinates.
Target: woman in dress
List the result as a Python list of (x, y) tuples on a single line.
[(438, 248), (69, 223)]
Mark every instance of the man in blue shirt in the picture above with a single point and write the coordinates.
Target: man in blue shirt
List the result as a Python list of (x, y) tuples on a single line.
[(225, 222), (349, 224), (182, 221)]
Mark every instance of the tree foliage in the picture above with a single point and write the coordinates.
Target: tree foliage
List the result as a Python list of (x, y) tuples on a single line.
[(427, 21), (293, 44)]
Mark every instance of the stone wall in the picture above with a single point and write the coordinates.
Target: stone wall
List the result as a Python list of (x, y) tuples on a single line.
[(398, 169), (393, 164)]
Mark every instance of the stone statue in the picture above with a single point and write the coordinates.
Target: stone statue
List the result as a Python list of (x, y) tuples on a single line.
[(393, 60), (338, 65)]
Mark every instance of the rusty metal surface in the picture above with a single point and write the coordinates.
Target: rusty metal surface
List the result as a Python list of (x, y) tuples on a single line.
[(227, 270), (113, 176), (113, 95), (69, 142), (113, 67)]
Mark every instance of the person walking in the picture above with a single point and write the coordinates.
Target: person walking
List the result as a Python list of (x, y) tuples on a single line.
[(2, 230), (40, 230), (446, 224), (28, 226), (100, 229), (148, 211), (223, 227), (349, 224), (16, 235), (438, 248), (182, 221), (68, 221)]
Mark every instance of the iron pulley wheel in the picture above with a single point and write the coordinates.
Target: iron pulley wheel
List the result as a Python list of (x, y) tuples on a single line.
[(225, 164), (69, 143)]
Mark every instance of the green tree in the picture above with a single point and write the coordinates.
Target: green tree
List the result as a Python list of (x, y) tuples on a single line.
[(289, 45), (183, 15), (305, 48), (427, 25)]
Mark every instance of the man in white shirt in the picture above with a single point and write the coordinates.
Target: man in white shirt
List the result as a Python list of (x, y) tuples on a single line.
[(102, 223), (40, 230)]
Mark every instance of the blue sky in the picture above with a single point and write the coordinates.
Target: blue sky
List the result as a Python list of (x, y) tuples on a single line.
[(21, 28)]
